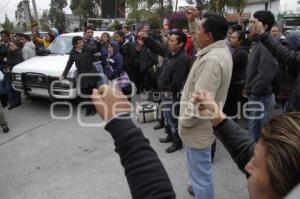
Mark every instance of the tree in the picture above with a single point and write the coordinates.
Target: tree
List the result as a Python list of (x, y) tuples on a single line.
[(86, 9), (20, 16), (8, 25), (57, 15), (239, 6), (44, 21), (219, 6), (202, 4), (142, 10)]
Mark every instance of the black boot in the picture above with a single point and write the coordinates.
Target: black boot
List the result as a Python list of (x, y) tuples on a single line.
[(94, 111), (88, 110), (169, 135), (3, 99), (177, 144)]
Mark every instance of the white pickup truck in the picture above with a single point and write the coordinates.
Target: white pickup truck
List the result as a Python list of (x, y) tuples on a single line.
[(39, 76)]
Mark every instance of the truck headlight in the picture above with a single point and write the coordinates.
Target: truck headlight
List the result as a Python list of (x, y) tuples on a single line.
[(17, 77)]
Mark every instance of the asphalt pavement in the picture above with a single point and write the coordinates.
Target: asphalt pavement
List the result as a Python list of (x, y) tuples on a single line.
[(50, 158)]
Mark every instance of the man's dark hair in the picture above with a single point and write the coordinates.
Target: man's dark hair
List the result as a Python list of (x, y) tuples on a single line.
[(235, 27), (181, 37), (216, 24), (5, 32), (26, 37), (120, 33), (266, 17), (127, 28), (76, 39), (88, 28)]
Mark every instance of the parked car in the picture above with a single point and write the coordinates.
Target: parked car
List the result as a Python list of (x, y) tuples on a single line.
[(39, 76), (294, 30)]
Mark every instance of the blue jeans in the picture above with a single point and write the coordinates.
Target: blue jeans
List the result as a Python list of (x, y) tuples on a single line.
[(287, 106), (170, 120), (200, 172), (3, 90), (14, 97), (258, 111), (99, 68)]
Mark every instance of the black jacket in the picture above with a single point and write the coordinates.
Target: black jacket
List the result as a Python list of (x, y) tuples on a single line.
[(261, 71), (146, 176), (237, 141), (289, 57), (84, 64), (127, 50), (240, 61), (174, 68), (14, 57), (145, 59)]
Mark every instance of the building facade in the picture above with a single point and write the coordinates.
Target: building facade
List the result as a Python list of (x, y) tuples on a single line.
[(255, 5), (251, 7)]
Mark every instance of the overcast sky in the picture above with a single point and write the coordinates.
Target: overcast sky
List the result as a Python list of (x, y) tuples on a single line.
[(9, 6)]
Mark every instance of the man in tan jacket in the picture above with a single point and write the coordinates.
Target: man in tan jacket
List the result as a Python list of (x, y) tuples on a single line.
[(211, 71)]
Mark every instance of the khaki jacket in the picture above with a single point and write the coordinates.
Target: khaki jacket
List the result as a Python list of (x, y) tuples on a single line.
[(211, 71)]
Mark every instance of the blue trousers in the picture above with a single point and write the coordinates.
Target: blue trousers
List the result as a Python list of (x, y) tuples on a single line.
[(169, 113), (200, 172), (259, 110)]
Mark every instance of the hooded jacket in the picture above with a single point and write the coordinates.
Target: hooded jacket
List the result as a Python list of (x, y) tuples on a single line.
[(287, 56), (114, 63), (288, 73), (28, 50)]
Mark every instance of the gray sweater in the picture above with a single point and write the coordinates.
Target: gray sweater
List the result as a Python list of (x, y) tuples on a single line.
[(28, 50)]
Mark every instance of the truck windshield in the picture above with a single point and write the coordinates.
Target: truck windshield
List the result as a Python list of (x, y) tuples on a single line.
[(62, 45)]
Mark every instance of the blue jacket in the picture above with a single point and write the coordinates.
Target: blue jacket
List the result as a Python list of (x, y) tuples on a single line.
[(114, 64)]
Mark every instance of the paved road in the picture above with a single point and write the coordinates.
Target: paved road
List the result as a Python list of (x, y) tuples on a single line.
[(46, 158)]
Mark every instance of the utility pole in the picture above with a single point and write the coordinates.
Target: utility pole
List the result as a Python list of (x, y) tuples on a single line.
[(35, 11), (27, 14)]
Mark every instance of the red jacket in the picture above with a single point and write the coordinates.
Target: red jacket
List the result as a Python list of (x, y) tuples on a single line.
[(189, 46)]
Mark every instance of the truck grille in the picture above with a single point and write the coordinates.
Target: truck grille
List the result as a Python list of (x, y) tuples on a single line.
[(36, 80)]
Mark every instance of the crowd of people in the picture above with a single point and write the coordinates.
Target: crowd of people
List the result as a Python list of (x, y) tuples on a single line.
[(196, 71), (228, 64)]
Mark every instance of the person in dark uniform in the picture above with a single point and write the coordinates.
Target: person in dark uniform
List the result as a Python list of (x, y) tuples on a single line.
[(83, 58)]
